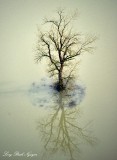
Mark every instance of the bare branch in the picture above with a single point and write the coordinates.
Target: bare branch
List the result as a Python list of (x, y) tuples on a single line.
[(61, 45), (85, 47), (46, 43)]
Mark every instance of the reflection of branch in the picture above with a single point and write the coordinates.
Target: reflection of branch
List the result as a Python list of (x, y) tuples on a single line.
[(61, 130)]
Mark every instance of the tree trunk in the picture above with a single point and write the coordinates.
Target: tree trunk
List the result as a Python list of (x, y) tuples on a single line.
[(60, 78)]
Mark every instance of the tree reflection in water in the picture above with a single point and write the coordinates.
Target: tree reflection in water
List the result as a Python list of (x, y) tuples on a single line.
[(61, 130)]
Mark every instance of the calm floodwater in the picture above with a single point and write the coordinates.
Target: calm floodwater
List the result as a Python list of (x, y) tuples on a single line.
[(38, 123)]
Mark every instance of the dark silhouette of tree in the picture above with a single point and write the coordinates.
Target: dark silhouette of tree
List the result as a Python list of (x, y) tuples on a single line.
[(61, 46)]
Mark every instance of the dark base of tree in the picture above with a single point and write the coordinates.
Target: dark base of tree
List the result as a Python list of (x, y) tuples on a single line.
[(59, 87)]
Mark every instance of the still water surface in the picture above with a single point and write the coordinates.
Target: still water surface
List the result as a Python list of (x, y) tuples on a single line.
[(39, 123)]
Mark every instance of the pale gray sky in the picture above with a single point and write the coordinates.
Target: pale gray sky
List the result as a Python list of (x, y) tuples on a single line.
[(18, 29)]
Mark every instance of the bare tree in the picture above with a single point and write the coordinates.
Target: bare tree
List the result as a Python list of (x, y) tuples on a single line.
[(61, 46)]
